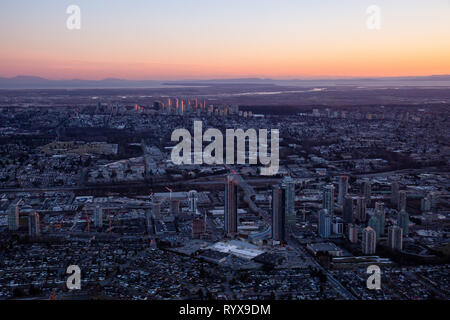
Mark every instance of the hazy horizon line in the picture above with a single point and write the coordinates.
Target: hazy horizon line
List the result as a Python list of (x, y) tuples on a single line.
[(299, 78)]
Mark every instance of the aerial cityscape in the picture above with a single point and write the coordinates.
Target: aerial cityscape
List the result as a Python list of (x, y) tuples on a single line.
[(221, 186)]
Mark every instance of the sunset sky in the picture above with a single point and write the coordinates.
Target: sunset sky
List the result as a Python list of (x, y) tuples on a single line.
[(204, 39)]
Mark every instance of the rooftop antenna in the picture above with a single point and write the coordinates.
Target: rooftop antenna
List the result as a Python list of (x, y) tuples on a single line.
[(109, 220)]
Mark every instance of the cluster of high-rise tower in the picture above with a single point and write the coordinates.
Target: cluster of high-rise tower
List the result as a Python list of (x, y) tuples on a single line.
[(32, 216), (283, 214), (354, 215), (177, 106)]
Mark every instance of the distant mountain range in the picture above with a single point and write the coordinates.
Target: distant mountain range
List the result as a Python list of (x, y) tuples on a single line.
[(29, 82)]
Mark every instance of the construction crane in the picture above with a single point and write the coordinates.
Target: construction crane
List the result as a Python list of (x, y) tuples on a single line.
[(53, 295), (109, 220), (170, 190), (88, 222), (43, 224), (151, 197)]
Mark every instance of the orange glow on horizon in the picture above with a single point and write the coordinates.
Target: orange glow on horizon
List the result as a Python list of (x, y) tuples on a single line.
[(176, 40), (351, 67), (347, 57)]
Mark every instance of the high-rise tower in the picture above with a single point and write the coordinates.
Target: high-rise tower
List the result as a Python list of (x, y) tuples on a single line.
[(403, 221), (348, 209), (231, 199), (328, 199), (279, 213), (369, 241), (366, 189), (395, 238), (193, 200), (13, 217), (34, 229), (360, 209), (394, 193), (401, 200), (98, 217), (324, 223), (343, 189), (289, 186), (381, 216)]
